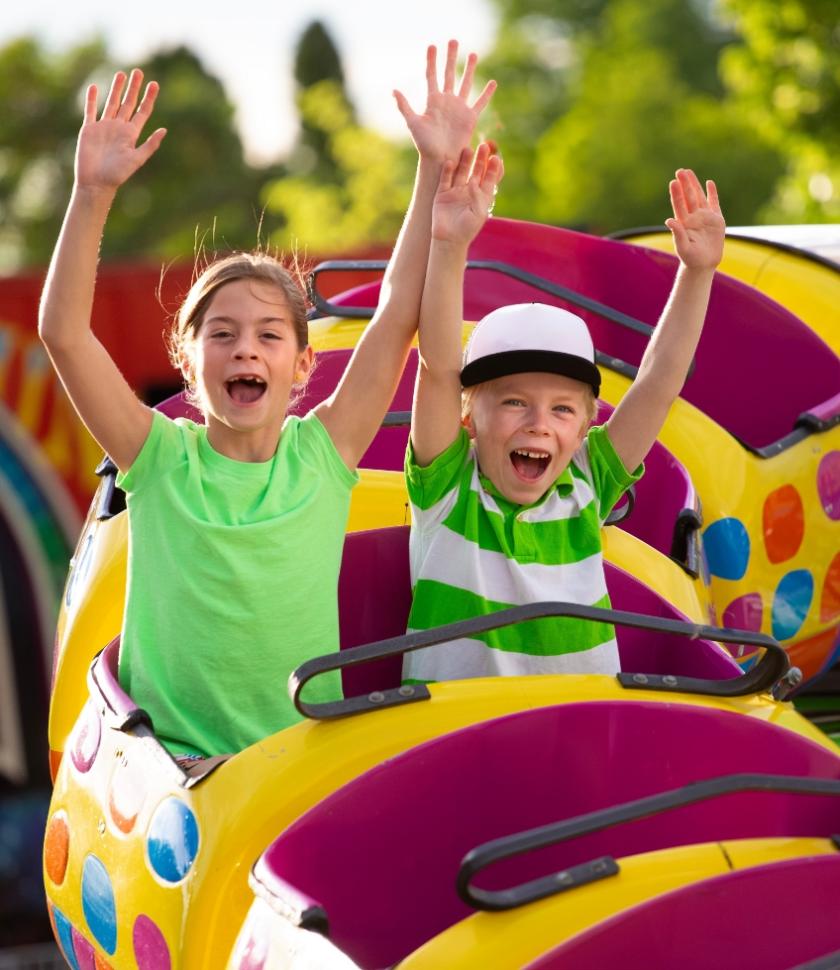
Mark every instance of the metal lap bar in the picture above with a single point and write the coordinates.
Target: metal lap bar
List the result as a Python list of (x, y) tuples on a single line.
[(495, 851), (325, 307), (761, 677)]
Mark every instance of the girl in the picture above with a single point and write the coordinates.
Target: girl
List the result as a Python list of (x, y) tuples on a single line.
[(235, 526)]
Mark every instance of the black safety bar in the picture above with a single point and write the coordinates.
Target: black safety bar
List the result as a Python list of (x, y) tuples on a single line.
[(496, 850), (758, 679)]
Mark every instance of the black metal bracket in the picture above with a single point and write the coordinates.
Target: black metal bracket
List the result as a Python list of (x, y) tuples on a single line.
[(111, 499), (622, 508), (324, 307), (758, 679), (496, 850)]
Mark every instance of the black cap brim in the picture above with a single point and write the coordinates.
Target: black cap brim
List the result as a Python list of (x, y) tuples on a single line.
[(527, 361)]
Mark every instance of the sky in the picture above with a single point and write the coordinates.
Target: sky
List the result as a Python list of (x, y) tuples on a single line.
[(250, 45)]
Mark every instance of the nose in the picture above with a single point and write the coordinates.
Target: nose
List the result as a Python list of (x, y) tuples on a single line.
[(536, 421), (245, 348)]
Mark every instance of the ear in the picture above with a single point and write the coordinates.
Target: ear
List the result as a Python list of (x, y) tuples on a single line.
[(185, 363), (303, 364), (467, 422)]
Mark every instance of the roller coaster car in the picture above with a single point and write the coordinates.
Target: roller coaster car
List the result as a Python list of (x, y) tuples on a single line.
[(147, 865), (757, 425)]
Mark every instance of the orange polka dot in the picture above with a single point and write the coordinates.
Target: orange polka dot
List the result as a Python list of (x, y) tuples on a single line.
[(100, 963), (784, 523), (810, 655), (830, 601), (57, 848), (125, 799)]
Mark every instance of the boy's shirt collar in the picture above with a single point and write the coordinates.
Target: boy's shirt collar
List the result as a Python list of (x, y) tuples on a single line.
[(564, 483)]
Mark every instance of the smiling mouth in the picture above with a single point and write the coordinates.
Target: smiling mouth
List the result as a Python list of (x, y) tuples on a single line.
[(245, 390), (528, 464)]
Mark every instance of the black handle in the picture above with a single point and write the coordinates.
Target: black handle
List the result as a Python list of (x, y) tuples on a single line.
[(760, 678), (494, 851)]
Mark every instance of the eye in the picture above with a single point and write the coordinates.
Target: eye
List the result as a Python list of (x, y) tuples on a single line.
[(514, 402), (219, 334), (564, 408), (271, 335)]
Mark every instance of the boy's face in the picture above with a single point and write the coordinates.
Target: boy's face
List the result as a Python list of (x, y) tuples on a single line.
[(526, 428)]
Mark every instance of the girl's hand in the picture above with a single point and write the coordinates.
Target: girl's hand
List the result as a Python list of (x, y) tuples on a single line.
[(466, 195), (448, 121), (107, 153), (698, 227)]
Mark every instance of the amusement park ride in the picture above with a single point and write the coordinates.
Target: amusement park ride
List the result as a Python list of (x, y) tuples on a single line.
[(554, 821)]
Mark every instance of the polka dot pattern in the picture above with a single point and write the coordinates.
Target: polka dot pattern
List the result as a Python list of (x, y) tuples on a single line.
[(791, 603), (172, 841), (744, 613), (88, 737), (727, 545), (828, 484), (783, 523), (830, 599), (57, 848), (85, 956), (125, 798), (64, 936), (150, 949), (98, 904)]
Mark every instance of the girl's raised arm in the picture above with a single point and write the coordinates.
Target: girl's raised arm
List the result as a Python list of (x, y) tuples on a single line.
[(353, 414), (107, 155)]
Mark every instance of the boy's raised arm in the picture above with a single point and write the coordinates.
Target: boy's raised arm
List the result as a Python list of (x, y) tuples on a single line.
[(462, 204), (354, 412), (698, 230), (107, 155)]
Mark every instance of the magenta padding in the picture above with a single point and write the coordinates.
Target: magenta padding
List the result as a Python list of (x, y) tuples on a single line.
[(751, 346), (374, 599), (381, 854), (104, 674), (773, 916)]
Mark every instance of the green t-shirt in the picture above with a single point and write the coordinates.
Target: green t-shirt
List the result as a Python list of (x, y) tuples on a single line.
[(473, 552), (232, 581)]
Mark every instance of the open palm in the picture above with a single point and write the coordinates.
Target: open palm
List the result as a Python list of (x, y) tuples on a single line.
[(698, 226), (465, 195), (108, 153)]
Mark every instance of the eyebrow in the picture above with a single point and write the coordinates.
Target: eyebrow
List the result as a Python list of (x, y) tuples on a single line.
[(224, 318)]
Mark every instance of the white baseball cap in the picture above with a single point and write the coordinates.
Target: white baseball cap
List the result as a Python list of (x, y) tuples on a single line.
[(527, 337)]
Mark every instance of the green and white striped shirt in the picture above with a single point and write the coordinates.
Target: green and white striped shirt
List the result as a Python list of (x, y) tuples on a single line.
[(473, 552)]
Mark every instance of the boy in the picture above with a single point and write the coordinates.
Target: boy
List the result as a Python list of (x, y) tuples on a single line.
[(509, 495)]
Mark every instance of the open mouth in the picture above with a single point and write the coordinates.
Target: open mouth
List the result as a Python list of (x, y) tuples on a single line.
[(529, 464), (245, 390)]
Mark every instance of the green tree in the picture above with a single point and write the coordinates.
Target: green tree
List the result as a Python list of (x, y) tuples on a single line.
[(785, 73), (347, 185), (38, 126), (636, 93)]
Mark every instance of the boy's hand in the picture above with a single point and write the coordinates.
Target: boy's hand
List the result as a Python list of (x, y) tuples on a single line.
[(447, 124), (465, 196), (107, 153), (698, 227)]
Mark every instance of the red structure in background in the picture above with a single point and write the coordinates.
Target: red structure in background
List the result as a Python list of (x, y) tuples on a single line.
[(133, 308)]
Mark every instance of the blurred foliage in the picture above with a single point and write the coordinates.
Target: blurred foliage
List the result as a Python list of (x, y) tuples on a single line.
[(197, 187), (786, 76), (347, 186), (631, 91), (598, 102)]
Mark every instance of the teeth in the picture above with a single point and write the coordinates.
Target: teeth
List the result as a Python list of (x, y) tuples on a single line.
[(531, 454)]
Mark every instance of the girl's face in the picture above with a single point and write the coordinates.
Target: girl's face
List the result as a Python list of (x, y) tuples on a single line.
[(244, 361), (526, 429)]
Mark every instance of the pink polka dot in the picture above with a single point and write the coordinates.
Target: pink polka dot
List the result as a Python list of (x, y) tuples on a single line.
[(83, 951), (87, 739), (150, 949), (744, 613), (828, 484)]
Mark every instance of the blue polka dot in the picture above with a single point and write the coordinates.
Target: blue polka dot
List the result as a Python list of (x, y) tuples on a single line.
[(64, 932), (98, 904), (173, 840), (727, 546), (791, 603)]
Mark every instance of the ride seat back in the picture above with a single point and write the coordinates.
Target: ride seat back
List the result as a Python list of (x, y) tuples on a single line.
[(374, 599)]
